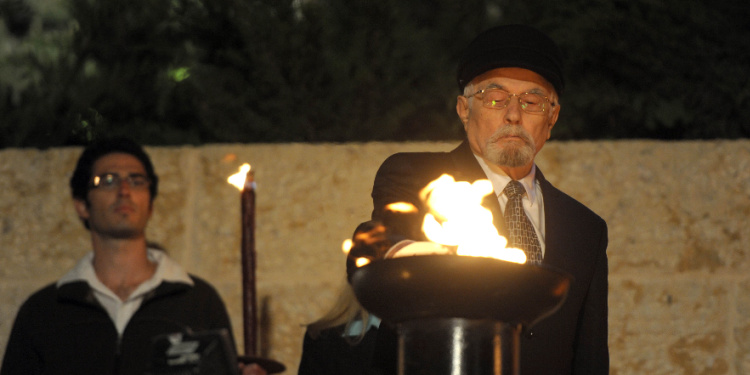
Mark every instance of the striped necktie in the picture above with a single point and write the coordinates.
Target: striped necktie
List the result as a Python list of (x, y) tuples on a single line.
[(521, 232)]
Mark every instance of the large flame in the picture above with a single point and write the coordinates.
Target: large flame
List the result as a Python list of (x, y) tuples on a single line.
[(238, 179), (457, 218)]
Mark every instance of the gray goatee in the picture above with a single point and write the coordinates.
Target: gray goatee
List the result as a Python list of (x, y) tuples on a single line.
[(510, 154)]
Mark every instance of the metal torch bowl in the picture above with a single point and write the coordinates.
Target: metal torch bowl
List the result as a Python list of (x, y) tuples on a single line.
[(448, 286)]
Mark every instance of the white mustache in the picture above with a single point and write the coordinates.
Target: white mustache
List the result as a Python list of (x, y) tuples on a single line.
[(512, 131)]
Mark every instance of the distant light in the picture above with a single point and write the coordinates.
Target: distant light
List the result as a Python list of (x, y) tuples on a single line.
[(179, 74)]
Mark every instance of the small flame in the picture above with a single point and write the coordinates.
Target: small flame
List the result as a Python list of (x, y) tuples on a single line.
[(347, 245), (362, 262), (401, 207), (457, 218), (238, 179)]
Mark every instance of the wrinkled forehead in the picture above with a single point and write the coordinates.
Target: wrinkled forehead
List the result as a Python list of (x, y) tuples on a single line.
[(519, 74)]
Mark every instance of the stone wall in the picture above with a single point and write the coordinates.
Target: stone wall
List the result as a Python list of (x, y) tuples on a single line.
[(677, 213)]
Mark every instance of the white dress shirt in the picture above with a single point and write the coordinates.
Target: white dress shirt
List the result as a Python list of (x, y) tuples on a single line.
[(533, 203), (121, 311)]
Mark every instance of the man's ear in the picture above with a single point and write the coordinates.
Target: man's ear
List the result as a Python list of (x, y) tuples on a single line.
[(462, 109), (82, 209)]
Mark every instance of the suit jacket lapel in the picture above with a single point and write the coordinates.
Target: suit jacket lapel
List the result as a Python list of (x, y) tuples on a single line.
[(552, 218)]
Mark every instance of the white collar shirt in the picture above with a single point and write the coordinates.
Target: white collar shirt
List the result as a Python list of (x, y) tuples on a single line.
[(533, 203), (118, 310)]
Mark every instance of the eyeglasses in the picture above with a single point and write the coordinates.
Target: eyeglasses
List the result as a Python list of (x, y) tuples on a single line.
[(495, 98), (112, 181)]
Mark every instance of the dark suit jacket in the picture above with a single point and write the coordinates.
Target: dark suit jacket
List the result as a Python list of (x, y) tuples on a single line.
[(574, 339)]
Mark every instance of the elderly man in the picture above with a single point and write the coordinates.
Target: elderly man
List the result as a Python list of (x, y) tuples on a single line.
[(101, 317), (511, 80)]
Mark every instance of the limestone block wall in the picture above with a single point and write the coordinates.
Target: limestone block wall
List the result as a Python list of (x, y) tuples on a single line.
[(677, 211)]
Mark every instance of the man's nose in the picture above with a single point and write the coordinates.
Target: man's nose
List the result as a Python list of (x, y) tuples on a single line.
[(513, 111), (124, 188)]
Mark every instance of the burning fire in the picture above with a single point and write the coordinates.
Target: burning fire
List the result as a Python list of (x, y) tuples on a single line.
[(239, 179), (457, 220)]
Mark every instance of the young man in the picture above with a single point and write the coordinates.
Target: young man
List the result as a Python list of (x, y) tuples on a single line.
[(101, 317)]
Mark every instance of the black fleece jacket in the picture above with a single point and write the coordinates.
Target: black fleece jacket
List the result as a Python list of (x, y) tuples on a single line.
[(66, 331)]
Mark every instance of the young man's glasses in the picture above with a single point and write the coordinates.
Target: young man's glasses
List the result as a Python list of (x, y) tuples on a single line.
[(112, 181)]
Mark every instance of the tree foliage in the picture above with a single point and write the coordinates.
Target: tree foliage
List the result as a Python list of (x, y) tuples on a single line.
[(202, 71), (662, 69)]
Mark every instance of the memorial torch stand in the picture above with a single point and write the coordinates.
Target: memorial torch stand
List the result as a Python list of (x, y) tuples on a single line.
[(458, 314), (249, 299)]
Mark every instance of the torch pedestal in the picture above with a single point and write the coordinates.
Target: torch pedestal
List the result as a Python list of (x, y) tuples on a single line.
[(459, 315)]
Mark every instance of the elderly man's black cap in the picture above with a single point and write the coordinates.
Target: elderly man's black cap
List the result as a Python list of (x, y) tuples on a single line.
[(517, 46)]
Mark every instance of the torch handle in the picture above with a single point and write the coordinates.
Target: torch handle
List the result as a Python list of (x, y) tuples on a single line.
[(249, 305)]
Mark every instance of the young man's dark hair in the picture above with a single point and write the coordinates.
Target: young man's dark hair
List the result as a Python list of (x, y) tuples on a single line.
[(81, 179)]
